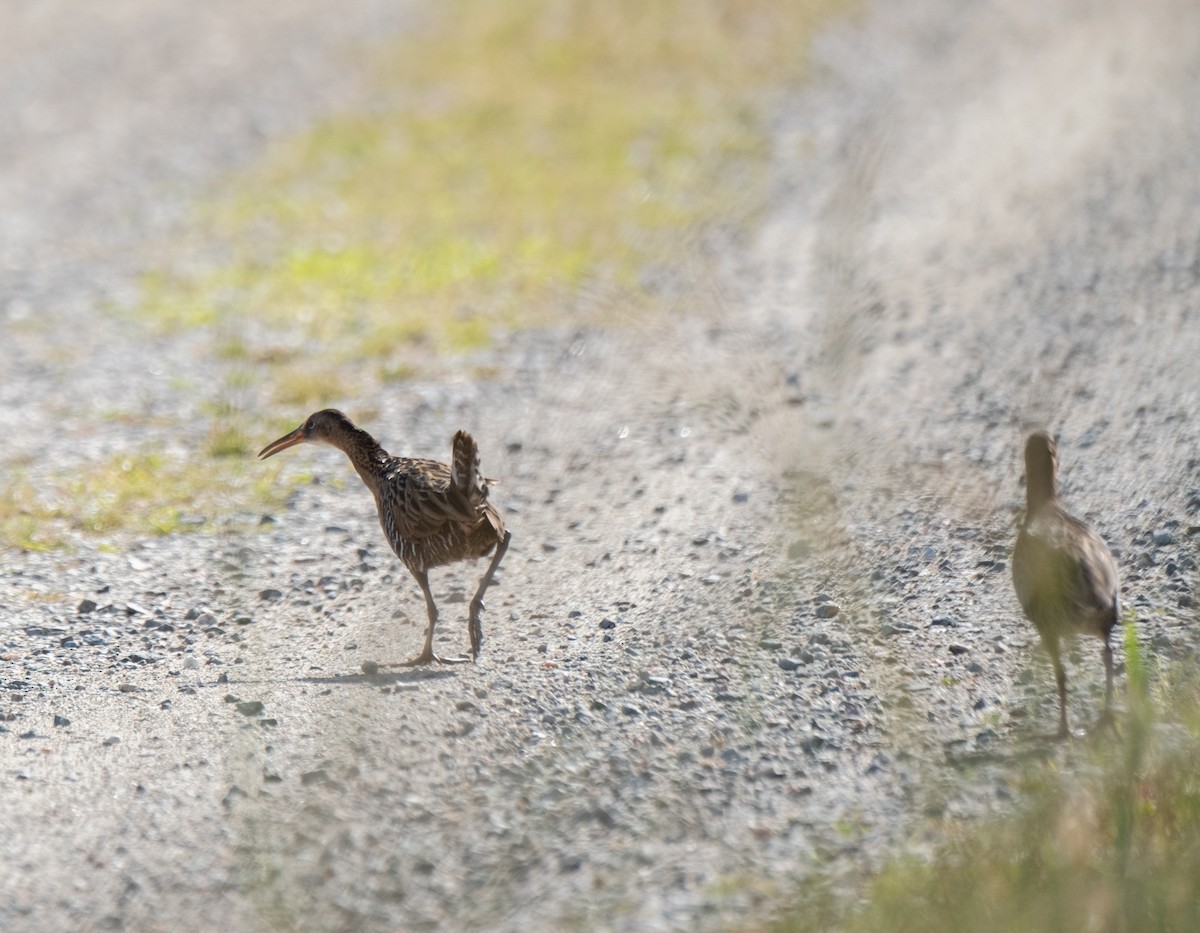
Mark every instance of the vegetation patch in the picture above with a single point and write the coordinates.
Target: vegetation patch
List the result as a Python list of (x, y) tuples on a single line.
[(1111, 841)]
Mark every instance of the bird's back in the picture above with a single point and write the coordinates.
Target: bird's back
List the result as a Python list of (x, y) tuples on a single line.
[(1064, 574)]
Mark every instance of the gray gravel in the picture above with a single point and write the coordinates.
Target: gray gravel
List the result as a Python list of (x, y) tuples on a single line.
[(756, 616)]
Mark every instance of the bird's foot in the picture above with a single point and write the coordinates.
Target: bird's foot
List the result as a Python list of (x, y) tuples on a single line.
[(1064, 734), (1107, 722), (428, 657)]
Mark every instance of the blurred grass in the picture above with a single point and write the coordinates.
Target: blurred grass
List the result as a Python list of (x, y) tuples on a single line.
[(521, 155), (520, 161), (1111, 842)]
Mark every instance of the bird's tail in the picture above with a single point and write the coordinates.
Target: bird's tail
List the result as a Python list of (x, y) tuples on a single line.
[(470, 482), (464, 470)]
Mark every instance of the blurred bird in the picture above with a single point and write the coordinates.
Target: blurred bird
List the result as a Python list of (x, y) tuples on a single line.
[(431, 513), (1064, 574)]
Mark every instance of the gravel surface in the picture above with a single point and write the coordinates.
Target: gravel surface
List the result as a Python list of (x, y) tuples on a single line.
[(756, 616)]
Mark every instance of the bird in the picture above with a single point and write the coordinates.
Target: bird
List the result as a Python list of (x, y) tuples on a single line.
[(1064, 574), (432, 513)]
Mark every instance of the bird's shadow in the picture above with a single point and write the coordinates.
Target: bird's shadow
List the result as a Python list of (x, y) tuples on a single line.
[(1029, 751), (381, 678), (1034, 745)]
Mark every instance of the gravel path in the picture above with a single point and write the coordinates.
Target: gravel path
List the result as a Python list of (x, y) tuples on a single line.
[(756, 615)]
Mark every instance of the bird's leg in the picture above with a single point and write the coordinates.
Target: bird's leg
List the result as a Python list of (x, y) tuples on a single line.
[(427, 656), (1106, 717), (474, 626), (1060, 677), (1108, 673)]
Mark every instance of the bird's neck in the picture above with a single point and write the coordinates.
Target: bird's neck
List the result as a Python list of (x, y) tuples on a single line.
[(1041, 487), (366, 455)]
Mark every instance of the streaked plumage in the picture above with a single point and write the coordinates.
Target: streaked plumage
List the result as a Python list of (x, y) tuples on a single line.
[(431, 513), (1064, 574)]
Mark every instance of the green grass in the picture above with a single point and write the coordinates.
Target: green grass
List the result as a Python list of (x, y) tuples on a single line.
[(140, 492), (1110, 841), (523, 152)]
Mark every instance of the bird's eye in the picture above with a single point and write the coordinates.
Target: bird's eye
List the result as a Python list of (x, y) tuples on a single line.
[(309, 425)]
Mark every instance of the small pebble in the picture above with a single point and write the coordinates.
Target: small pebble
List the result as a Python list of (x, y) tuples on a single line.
[(653, 684)]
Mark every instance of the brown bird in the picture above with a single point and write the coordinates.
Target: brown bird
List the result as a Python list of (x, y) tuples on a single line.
[(431, 513), (1064, 574)]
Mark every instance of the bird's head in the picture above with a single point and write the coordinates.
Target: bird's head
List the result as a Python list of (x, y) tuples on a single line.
[(323, 426)]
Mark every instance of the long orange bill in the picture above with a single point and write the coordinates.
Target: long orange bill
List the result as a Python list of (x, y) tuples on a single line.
[(288, 440)]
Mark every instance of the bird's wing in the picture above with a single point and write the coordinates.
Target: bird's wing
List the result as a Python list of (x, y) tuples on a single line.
[(1097, 584), (420, 498)]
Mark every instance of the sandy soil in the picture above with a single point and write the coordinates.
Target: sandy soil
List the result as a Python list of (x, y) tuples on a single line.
[(756, 615)]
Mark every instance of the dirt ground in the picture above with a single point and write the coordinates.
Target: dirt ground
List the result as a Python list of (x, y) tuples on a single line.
[(756, 617)]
